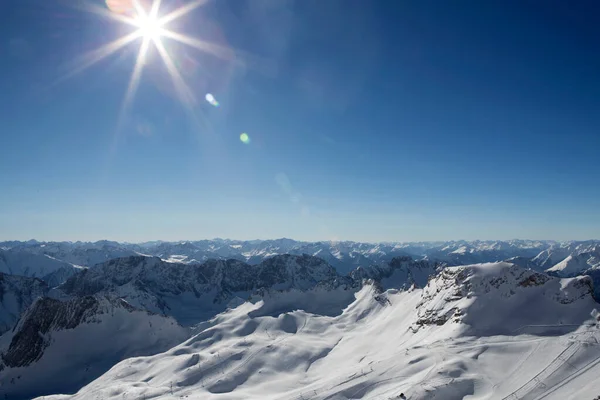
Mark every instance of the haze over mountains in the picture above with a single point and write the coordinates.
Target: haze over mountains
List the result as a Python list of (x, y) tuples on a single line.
[(281, 319)]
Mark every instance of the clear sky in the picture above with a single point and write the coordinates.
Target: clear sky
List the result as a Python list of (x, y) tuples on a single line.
[(367, 120)]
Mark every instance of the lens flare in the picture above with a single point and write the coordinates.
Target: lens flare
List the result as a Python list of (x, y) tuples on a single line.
[(211, 100), (119, 6), (245, 138)]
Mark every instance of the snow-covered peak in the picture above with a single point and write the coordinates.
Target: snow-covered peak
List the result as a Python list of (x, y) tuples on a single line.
[(497, 298)]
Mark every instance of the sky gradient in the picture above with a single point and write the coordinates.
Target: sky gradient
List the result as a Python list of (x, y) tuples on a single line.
[(367, 120)]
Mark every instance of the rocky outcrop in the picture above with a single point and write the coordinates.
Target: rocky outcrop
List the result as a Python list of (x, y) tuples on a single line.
[(58, 346), (399, 273), (45, 315), (17, 293), (466, 294)]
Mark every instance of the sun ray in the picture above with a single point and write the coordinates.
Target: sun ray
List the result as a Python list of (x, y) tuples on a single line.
[(183, 91), (138, 68), (216, 50), (139, 9), (95, 56), (154, 10), (151, 28), (134, 81), (180, 12)]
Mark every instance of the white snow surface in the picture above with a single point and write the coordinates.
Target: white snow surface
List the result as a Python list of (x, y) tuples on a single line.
[(486, 331), (577, 264)]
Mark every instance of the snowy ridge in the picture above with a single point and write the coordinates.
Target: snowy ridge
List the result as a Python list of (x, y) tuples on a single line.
[(557, 252), (577, 264), (453, 339)]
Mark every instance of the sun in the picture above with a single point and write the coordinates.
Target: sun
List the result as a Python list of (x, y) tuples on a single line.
[(150, 27)]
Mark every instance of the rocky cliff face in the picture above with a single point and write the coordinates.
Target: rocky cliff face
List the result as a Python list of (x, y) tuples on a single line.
[(57, 346), (399, 273), (46, 315), (17, 293), (193, 292)]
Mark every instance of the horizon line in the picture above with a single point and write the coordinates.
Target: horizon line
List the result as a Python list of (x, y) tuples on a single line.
[(300, 241)]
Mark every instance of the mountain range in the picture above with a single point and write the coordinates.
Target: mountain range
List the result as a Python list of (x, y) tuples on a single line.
[(171, 308), (136, 295), (485, 331), (343, 255)]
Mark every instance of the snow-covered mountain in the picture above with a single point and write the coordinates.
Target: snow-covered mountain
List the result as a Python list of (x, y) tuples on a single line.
[(194, 292), (76, 253), (60, 346), (191, 293), (557, 252), (487, 331), (577, 264), (399, 273), (342, 255), (17, 293), (22, 263)]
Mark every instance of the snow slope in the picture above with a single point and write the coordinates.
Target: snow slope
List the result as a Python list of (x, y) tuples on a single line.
[(485, 331), (577, 264), (60, 346)]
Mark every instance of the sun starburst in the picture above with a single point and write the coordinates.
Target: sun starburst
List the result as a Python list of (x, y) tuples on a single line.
[(151, 29)]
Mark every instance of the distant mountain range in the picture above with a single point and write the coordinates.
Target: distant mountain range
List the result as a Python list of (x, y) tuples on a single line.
[(18, 257)]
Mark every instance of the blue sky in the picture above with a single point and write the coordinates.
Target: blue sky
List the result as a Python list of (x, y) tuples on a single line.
[(368, 120)]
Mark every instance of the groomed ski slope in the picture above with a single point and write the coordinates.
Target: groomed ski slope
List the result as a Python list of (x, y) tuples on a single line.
[(490, 331)]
